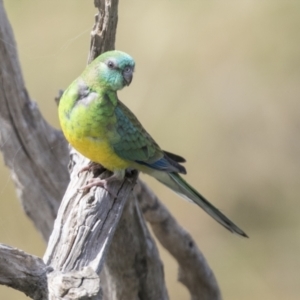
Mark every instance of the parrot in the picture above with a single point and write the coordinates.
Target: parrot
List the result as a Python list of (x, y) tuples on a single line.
[(100, 127)]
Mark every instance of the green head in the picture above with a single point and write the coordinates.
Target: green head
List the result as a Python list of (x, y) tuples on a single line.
[(114, 69)]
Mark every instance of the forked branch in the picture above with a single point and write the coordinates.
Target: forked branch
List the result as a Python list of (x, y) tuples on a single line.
[(87, 224)]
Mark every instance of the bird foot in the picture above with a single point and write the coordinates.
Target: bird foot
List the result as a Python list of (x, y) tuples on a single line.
[(131, 175), (91, 166), (97, 182), (103, 182)]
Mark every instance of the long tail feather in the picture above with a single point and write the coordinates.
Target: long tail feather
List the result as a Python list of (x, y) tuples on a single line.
[(183, 189)]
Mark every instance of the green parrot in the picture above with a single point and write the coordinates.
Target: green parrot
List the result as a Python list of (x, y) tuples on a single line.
[(103, 129)]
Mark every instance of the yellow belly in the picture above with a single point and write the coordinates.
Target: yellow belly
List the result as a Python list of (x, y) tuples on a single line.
[(99, 152)]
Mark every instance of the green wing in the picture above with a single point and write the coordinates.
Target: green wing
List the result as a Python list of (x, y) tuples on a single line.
[(135, 142)]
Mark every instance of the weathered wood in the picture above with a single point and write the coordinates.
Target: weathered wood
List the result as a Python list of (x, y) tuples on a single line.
[(36, 153), (133, 269), (103, 35), (194, 271), (77, 285), (24, 272), (86, 221), (88, 224), (30, 275), (84, 231)]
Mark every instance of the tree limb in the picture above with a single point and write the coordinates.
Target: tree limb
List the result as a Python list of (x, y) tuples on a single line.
[(86, 222), (194, 271), (35, 152), (77, 285), (24, 272), (85, 229), (103, 35), (37, 156), (133, 269), (30, 275), (132, 226)]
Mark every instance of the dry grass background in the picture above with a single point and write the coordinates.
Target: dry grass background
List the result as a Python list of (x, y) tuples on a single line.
[(217, 82)]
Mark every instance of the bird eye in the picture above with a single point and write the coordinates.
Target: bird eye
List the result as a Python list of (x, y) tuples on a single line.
[(127, 69), (110, 64)]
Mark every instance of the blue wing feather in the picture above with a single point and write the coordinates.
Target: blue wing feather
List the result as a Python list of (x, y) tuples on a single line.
[(164, 164)]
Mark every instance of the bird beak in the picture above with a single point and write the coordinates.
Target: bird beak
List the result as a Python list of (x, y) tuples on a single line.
[(127, 75)]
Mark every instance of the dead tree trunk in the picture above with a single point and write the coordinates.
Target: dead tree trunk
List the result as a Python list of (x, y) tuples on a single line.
[(100, 247)]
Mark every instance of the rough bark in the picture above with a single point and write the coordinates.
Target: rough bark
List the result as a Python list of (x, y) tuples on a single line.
[(83, 284), (84, 231), (103, 35), (88, 224), (133, 269), (194, 271), (24, 272), (36, 153)]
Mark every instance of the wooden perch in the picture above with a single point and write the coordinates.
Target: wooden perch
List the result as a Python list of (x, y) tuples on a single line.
[(100, 247), (85, 228), (86, 222)]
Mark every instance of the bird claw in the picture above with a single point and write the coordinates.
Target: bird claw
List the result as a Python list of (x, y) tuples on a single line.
[(97, 182), (91, 166), (118, 175), (131, 175)]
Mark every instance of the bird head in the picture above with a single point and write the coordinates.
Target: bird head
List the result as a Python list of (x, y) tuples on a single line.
[(114, 69)]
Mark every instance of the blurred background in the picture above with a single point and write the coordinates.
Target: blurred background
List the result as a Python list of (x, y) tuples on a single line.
[(216, 82)]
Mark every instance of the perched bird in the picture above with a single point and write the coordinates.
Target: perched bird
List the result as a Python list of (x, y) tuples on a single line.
[(103, 129)]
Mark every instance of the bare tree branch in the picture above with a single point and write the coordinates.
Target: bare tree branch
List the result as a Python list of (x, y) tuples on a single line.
[(35, 152), (194, 271), (103, 35), (77, 285), (29, 274), (133, 269), (84, 231), (113, 278), (24, 272), (87, 222)]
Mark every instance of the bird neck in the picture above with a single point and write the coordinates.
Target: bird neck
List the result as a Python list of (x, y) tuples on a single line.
[(108, 97)]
